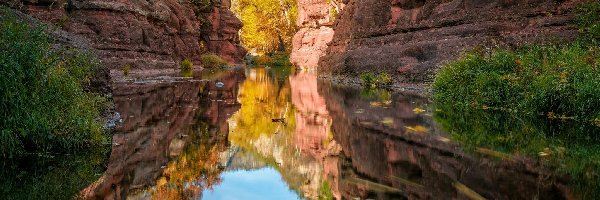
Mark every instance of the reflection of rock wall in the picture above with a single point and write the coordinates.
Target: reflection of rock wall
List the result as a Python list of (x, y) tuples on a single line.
[(391, 158), (153, 115), (156, 118), (312, 134)]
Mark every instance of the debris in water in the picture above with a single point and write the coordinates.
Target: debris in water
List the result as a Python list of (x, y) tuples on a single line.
[(388, 121), (219, 84), (467, 191), (417, 129), (418, 110)]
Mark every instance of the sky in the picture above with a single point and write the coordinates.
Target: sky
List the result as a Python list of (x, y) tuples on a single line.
[(264, 184)]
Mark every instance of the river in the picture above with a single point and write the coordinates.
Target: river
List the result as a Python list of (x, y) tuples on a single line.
[(261, 133)]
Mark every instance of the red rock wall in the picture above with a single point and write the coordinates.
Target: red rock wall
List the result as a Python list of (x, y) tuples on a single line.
[(144, 34), (410, 39), (315, 18), (221, 32)]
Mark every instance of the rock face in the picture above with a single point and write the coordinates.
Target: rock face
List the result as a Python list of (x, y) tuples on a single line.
[(221, 32), (410, 39), (315, 18), (143, 34)]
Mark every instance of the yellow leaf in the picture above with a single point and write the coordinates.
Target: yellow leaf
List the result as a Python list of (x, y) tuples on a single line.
[(417, 129), (418, 110)]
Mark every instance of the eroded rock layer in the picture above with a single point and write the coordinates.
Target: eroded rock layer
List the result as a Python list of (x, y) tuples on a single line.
[(221, 32), (409, 39), (143, 34), (315, 18)]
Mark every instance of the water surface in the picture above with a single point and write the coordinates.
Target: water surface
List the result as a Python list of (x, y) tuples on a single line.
[(274, 134)]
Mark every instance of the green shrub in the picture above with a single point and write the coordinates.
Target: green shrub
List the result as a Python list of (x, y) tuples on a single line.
[(212, 61), (550, 79), (126, 70), (371, 80), (187, 65), (43, 104)]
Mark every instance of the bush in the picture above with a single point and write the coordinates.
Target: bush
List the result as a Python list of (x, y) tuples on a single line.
[(187, 65), (126, 70), (43, 104), (561, 79), (212, 61), (371, 80)]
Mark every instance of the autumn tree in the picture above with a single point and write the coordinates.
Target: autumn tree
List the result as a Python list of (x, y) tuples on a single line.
[(269, 25)]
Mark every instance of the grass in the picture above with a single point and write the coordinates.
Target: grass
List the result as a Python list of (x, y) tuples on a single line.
[(43, 104), (559, 80), (539, 100), (370, 80), (554, 80), (186, 65), (212, 61)]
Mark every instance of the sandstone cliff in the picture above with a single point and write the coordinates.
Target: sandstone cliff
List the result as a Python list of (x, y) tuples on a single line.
[(221, 32), (315, 18), (409, 39), (143, 34)]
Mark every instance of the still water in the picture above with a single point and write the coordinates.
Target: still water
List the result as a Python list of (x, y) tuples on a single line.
[(273, 134)]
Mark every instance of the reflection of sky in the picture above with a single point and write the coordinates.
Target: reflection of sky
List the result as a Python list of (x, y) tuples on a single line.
[(265, 183)]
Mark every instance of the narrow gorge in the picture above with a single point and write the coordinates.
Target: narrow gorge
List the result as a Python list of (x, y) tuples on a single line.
[(300, 99)]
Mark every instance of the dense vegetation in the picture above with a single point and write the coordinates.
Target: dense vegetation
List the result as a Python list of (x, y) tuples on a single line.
[(555, 80), (44, 106), (539, 100), (269, 25)]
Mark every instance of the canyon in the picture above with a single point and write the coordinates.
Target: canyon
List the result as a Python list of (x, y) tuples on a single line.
[(407, 39)]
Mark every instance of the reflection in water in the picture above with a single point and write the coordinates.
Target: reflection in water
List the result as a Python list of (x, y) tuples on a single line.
[(567, 147), (305, 138), (150, 155)]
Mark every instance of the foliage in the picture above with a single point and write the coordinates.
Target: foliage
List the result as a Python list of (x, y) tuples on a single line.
[(568, 147), (186, 65), (588, 20), (212, 61), (126, 70), (267, 23), (43, 104), (371, 80), (278, 59), (558, 80)]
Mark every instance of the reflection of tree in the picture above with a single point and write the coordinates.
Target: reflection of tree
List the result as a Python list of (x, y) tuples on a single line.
[(196, 168), (571, 148), (280, 145), (49, 176), (263, 99)]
